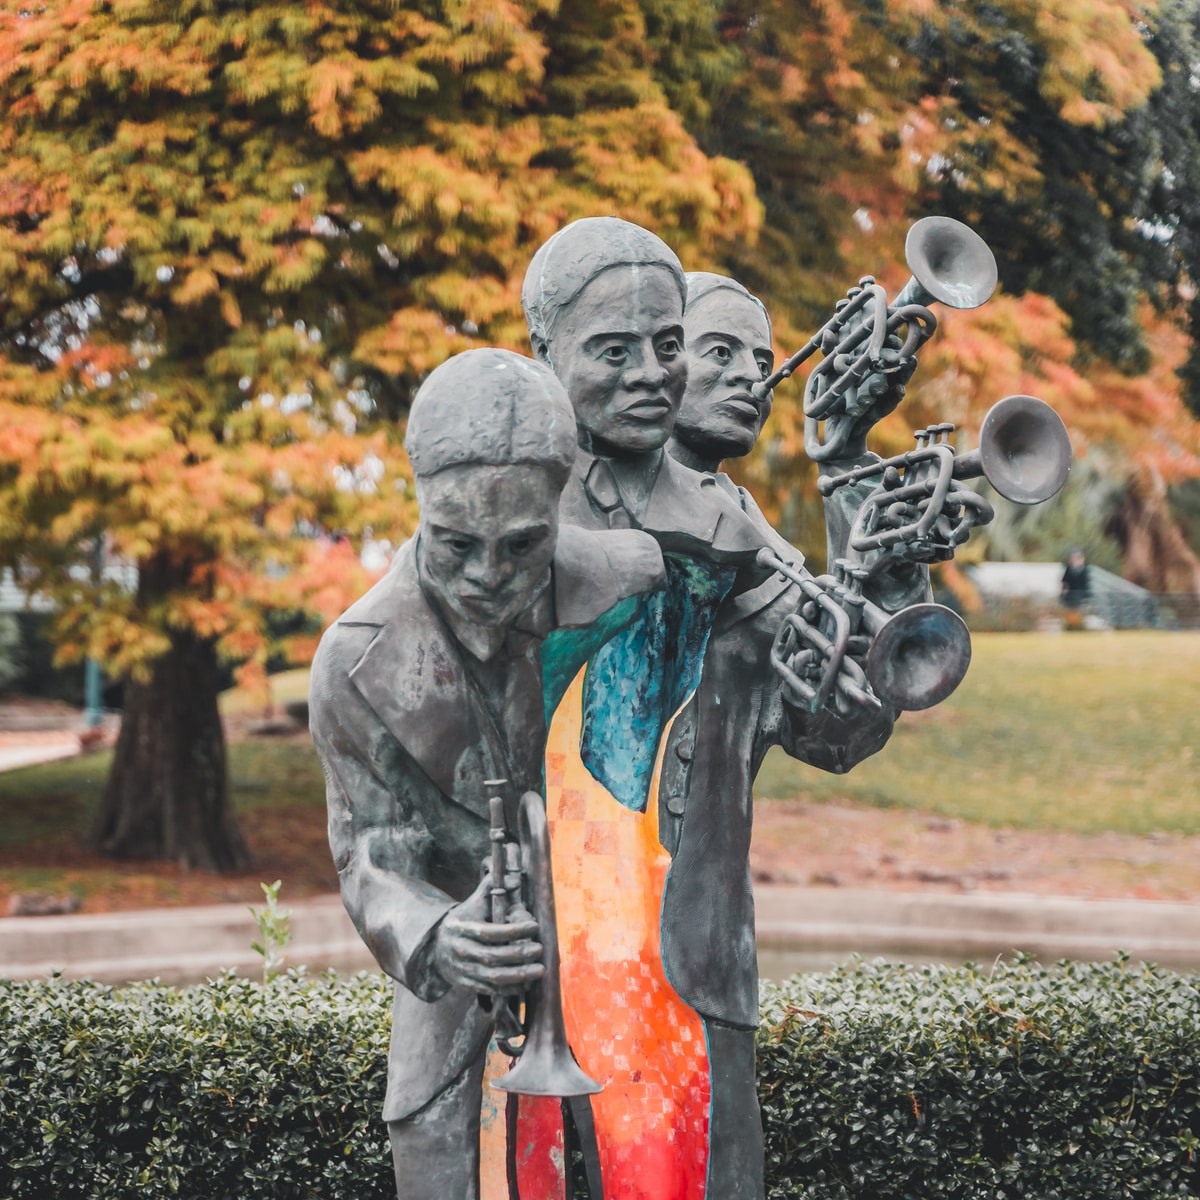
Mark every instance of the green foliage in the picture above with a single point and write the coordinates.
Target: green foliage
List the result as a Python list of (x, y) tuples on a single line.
[(1185, 505), (878, 1082), (274, 931), (1079, 516), (230, 1091), (12, 658), (888, 1083)]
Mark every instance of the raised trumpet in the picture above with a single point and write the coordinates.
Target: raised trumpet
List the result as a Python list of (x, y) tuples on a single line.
[(1024, 453), (914, 658), (522, 885), (950, 264)]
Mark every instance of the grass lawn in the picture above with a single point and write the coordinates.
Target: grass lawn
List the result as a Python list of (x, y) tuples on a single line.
[(47, 801), (278, 793), (1083, 732), (1077, 733)]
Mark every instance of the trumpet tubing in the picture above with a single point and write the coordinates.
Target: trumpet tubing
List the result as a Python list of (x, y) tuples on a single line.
[(917, 656), (546, 1066)]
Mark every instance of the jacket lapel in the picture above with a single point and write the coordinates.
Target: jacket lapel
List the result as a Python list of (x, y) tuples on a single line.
[(413, 677)]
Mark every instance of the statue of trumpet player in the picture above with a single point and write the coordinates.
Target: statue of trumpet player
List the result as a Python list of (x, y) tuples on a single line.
[(769, 647), (659, 957), (427, 701), (740, 710)]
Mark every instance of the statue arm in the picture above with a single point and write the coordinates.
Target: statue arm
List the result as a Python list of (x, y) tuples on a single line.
[(381, 848), (833, 741)]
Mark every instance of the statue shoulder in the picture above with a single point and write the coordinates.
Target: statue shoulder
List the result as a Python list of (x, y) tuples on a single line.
[(596, 569)]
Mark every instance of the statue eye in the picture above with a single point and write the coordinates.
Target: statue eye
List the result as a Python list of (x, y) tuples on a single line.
[(764, 366), (615, 354), (721, 353)]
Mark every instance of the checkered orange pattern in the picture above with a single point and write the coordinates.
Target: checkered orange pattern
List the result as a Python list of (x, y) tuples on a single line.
[(626, 1024)]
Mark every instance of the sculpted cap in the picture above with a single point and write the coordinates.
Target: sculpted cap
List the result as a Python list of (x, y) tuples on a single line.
[(576, 254), (494, 408)]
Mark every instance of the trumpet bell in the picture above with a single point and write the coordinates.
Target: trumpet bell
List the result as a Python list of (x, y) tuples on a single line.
[(1024, 449), (949, 262), (919, 657), (546, 1068)]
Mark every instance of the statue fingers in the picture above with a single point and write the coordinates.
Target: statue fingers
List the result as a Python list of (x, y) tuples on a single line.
[(491, 934), (501, 980)]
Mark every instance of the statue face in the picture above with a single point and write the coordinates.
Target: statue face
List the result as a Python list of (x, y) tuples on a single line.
[(728, 351), (618, 350), (487, 537)]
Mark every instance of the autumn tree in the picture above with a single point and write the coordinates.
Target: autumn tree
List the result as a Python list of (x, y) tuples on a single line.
[(1046, 128), (233, 236)]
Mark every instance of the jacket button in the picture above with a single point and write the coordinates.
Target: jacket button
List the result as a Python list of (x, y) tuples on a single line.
[(685, 750), (675, 805)]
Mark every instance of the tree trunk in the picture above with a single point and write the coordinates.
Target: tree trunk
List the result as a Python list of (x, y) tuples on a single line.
[(167, 793), (1155, 553)]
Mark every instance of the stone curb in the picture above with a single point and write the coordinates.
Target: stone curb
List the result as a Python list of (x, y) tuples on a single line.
[(977, 926), (803, 926)]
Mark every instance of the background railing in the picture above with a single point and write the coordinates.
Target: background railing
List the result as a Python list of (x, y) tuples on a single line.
[(1019, 596)]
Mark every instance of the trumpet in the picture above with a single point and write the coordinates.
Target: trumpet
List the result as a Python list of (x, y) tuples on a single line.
[(914, 658), (1024, 453), (950, 264), (522, 885)]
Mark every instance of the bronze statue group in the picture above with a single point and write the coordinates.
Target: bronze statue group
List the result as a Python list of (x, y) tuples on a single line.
[(592, 613)]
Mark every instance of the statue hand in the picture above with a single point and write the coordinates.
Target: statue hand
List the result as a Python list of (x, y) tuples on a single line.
[(866, 403), (471, 952)]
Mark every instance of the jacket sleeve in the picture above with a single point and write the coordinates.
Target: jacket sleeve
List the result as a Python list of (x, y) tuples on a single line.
[(380, 842)]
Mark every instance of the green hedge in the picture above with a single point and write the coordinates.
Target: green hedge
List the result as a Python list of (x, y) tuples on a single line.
[(878, 1081), (228, 1091), (1080, 1081)]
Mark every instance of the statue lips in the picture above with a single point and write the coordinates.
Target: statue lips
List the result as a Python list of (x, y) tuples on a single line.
[(651, 411), (742, 407), (486, 607)]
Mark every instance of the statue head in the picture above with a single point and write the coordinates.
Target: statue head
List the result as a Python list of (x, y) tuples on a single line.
[(728, 337), (491, 438), (604, 302)]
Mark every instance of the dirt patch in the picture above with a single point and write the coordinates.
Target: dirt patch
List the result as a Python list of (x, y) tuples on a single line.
[(287, 843), (795, 841), (844, 845)]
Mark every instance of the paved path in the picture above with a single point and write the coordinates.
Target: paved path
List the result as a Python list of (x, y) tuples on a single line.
[(26, 747), (799, 928)]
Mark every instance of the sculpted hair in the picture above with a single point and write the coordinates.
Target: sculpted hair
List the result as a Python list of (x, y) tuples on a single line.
[(700, 283), (575, 255), (493, 408)]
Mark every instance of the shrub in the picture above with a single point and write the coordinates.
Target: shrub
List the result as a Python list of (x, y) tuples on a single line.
[(878, 1082), (1077, 1081), (229, 1090)]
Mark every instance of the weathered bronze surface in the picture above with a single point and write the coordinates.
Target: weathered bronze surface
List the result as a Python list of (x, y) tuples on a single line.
[(596, 636)]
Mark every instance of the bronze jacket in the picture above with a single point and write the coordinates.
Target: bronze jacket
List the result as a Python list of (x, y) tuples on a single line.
[(713, 754), (406, 741)]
